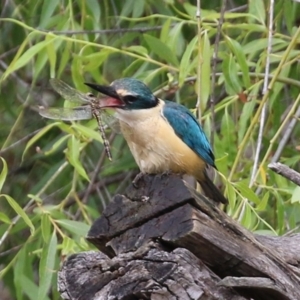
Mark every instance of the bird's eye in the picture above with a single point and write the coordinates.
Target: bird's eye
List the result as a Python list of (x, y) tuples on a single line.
[(129, 98)]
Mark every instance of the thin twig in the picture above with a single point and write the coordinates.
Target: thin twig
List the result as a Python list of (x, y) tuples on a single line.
[(11, 250), (20, 141), (103, 31), (199, 69), (282, 125), (264, 92), (105, 181), (286, 172), (14, 222), (239, 8), (9, 52), (255, 118), (95, 175), (214, 71), (286, 136)]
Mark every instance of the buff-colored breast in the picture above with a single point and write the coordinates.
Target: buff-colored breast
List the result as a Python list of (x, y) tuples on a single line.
[(154, 144)]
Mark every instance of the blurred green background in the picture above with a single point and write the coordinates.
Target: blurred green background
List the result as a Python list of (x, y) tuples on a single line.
[(55, 177)]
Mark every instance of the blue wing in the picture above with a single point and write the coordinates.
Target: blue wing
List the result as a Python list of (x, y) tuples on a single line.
[(188, 129)]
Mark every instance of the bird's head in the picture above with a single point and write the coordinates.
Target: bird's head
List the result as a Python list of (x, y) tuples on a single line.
[(126, 93)]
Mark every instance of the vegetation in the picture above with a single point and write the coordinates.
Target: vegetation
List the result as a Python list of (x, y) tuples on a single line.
[(55, 179)]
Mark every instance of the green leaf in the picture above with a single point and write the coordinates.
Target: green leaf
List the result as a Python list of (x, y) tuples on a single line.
[(245, 116), (138, 49), (40, 134), (280, 213), (64, 59), (46, 268), (161, 49), (164, 33), (29, 287), (257, 9), (73, 153), (76, 70), (94, 8), (231, 195), (228, 133), (263, 203), (93, 61), (296, 195), (230, 71), (46, 227), (40, 63), (57, 144), (185, 63), (3, 173), (241, 59), (17, 208), (259, 45), (176, 40), (78, 228), (138, 8), (205, 70), (51, 54), (88, 132), (288, 10), (4, 218), (247, 192), (47, 11), (68, 245), (247, 217), (26, 57)]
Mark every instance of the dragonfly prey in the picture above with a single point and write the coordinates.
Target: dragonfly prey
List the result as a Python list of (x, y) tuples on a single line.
[(90, 108)]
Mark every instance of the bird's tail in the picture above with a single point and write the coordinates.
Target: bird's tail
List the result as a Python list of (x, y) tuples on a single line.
[(210, 190)]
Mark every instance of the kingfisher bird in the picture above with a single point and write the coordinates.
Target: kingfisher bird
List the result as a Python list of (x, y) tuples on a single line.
[(163, 136)]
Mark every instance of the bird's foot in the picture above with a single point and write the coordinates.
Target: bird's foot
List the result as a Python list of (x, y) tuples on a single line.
[(137, 179), (165, 173)]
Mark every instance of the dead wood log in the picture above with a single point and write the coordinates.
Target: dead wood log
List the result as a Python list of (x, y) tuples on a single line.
[(166, 241)]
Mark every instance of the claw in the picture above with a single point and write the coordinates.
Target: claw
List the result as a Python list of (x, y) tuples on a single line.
[(165, 173), (137, 179)]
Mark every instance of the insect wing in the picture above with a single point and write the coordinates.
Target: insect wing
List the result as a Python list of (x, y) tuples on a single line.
[(69, 93), (67, 114), (111, 121)]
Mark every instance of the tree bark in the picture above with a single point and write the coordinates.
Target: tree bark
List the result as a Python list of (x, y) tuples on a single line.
[(166, 241)]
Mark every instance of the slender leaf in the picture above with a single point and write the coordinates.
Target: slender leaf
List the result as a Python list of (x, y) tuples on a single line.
[(47, 11), (3, 173), (138, 49), (205, 70), (18, 209), (4, 218), (247, 192), (46, 227), (296, 195), (75, 227), (185, 64), (42, 133), (263, 203), (47, 263), (241, 59), (161, 49), (73, 153), (51, 55), (26, 57), (257, 9)]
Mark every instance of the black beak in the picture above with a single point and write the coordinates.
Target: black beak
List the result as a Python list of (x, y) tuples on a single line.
[(106, 90)]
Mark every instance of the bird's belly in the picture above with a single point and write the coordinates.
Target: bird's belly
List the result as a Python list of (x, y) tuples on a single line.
[(157, 149)]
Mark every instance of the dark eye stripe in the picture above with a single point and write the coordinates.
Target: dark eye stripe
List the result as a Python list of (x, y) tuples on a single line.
[(129, 98)]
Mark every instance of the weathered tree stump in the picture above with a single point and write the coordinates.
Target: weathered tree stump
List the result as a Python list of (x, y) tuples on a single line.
[(166, 241)]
